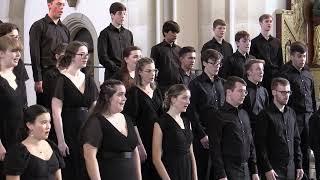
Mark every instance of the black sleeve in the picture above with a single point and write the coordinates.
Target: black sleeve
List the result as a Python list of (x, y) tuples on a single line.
[(252, 162), (280, 56), (296, 144), (59, 89), (35, 43), (262, 126), (215, 131), (94, 89), (16, 160), (91, 132), (103, 45), (313, 96), (192, 111), (155, 55), (314, 124)]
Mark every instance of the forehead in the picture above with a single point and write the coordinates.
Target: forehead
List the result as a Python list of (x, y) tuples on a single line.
[(193, 54), (281, 87), (220, 26), (149, 66), (267, 19), (185, 93), (58, 1), (83, 49), (135, 52), (256, 65), (120, 88), (239, 85)]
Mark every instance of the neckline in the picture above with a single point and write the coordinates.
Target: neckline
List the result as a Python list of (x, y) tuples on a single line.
[(172, 119), (105, 119), (37, 156), (85, 84), (7, 82)]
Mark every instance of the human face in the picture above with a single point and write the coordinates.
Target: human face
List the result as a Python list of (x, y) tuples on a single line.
[(81, 57), (148, 73), (281, 94), (266, 24), (170, 36), (244, 45), (10, 58), (56, 8), (211, 68), (298, 59), (41, 126), (219, 31), (132, 59), (255, 73), (119, 17), (236, 96), (188, 60), (118, 99), (14, 34), (182, 101)]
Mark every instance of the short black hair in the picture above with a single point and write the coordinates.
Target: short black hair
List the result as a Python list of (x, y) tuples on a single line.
[(298, 47), (185, 50), (231, 81), (117, 6), (170, 26), (212, 54)]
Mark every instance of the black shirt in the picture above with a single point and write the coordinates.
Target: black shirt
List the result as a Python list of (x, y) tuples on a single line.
[(277, 138), (302, 87), (111, 43), (45, 35), (234, 65), (185, 78), (230, 139), (256, 100), (205, 95), (166, 57), (269, 50)]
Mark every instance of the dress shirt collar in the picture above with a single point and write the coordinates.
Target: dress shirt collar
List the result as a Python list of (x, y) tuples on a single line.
[(50, 21)]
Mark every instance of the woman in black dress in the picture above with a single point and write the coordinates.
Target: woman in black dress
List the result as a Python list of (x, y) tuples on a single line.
[(34, 158), (108, 137), (12, 30), (74, 94), (172, 150), (144, 106), (12, 95), (126, 73)]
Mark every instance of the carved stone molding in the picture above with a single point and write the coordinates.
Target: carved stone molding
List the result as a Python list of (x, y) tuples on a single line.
[(72, 3)]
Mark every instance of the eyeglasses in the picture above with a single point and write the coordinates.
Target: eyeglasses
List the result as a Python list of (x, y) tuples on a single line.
[(151, 71), (84, 56), (283, 93), (214, 64)]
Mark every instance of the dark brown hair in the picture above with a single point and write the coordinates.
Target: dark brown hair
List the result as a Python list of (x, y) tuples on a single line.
[(264, 16), (231, 81), (71, 52), (211, 54), (139, 67), (10, 43), (173, 91), (279, 81), (218, 22), (170, 26), (6, 28), (117, 6), (298, 47), (249, 63), (241, 34)]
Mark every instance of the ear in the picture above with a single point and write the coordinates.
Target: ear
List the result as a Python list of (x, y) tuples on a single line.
[(273, 92), (29, 125), (237, 43)]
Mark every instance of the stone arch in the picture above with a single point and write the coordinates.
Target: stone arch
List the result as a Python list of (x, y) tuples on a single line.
[(77, 21)]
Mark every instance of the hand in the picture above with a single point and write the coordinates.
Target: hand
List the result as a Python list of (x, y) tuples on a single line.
[(299, 174), (2, 152), (255, 177), (225, 178), (205, 142), (271, 175), (63, 148), (38, 86), (142, 153)]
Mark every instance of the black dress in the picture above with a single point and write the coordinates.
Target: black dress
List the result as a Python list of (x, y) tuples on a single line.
[(74, 113), (12, 103), (112, 145), (176, 144), (20, 162), (145, 111)]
